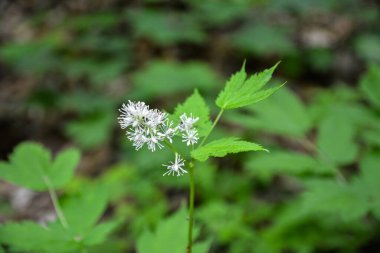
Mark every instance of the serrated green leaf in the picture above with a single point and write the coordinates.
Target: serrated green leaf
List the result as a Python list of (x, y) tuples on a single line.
[(83, 211), (266, 115), (240, 91), (196, 106), (30, 166), (222, 147), (29, 236)]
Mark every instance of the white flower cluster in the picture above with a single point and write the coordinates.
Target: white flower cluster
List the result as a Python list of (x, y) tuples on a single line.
[(153, 128)]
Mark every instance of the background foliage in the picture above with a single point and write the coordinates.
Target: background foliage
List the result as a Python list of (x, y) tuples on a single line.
[(65, 68)]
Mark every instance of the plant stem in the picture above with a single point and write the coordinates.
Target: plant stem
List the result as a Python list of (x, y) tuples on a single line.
[(56, 204), (191, 208), (172, 148), (192, 187), (212, 128)]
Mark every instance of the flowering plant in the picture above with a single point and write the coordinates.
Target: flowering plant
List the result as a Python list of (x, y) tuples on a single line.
[(190, 121)]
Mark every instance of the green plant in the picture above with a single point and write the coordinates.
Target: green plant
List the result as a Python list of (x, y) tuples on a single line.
[(190, 120)]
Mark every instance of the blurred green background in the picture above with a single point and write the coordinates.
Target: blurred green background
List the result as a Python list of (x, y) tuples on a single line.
[(66, 66)]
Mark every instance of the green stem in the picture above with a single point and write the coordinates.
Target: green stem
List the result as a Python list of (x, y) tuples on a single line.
[(54, 199), (192, 186), (212, 128), (191, 208), (172, 148)]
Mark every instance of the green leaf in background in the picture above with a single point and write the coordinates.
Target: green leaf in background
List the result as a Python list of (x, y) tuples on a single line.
[(202, 247), (99, 233), (350, 200), (368, 47), (195, 105), (91, 130), (62, 168), (240, 91), (102, 43), (85, 102), (266, 166), (219, 13), (336, 140), (23, 56), (166, 28), (225, 220), (222, 147), (334, 198), (91, 20), (371, 136), (263, 40), (99, 72), (170, 235), (83, 211), (30, 165), (30, 236), (318, 228), (367, 182), (370, 85), (160, 78), (321, 59)]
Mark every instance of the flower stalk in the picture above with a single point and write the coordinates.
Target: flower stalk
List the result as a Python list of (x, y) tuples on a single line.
[(191, 208)]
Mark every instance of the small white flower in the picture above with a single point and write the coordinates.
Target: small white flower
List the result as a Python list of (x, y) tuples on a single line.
[(167, 131), (133, 114), (190, 137), (137, 137), (187, 122), (155, 118), (152, 142), (176, 166)]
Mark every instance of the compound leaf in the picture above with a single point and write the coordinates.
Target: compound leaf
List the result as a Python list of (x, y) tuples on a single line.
[(240, 91), (30, 165)]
